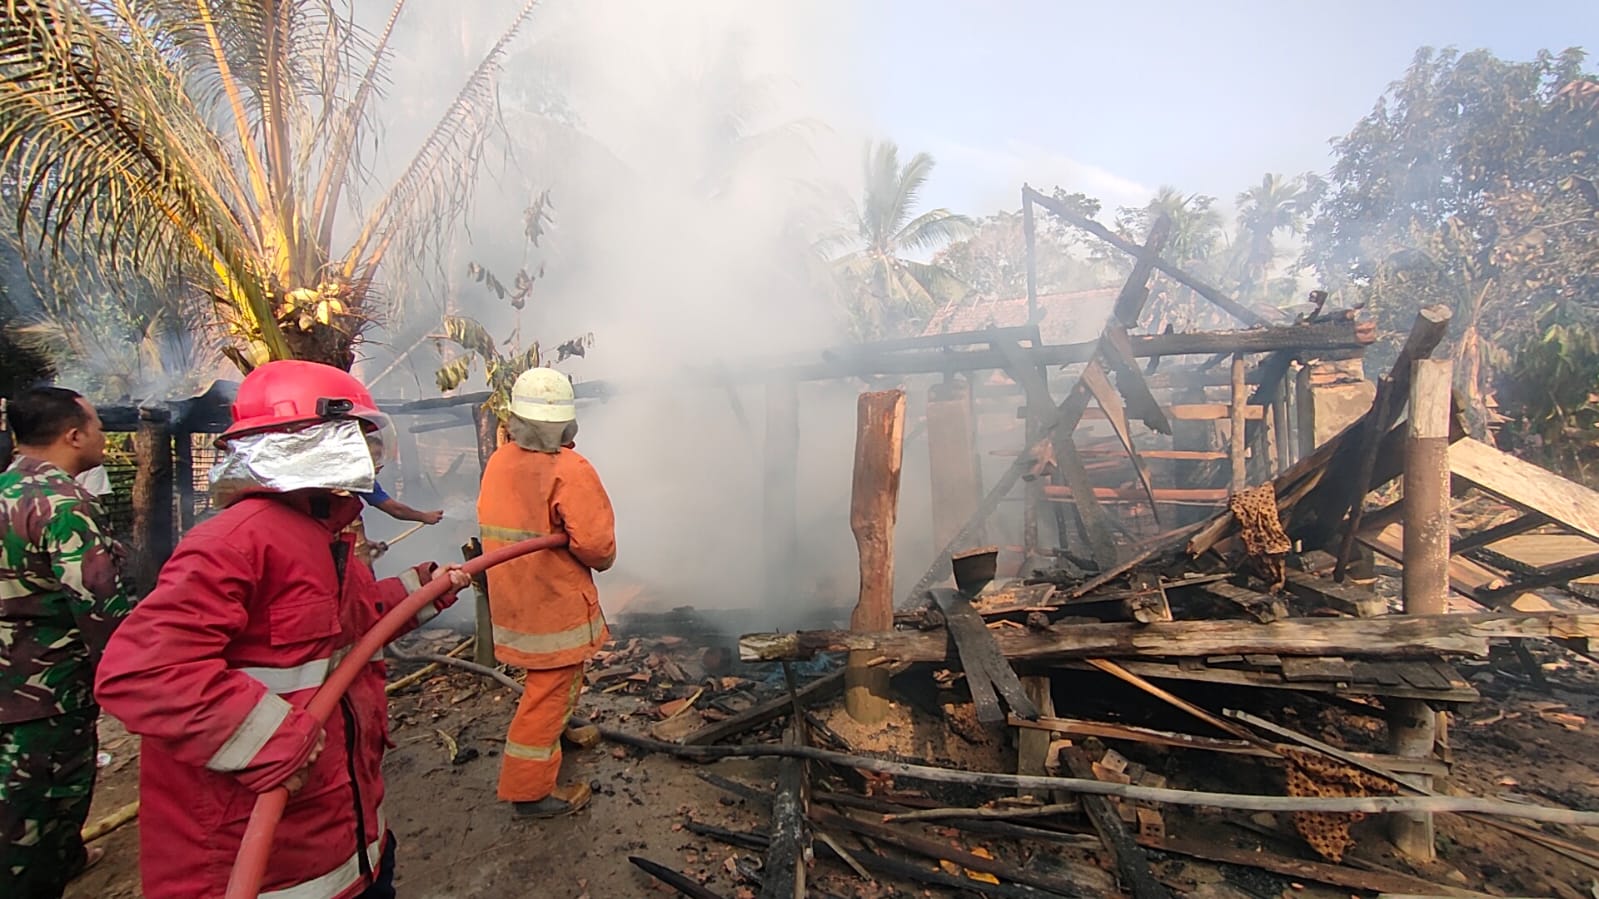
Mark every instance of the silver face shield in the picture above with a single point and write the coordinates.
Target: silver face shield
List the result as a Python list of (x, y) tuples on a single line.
[(331, 455)]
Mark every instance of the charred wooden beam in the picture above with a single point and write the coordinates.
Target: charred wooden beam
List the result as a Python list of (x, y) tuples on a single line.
[(819, 690), (1385, 636), (1346, 598), (1563, 573), (1131, 864), (1317, 337), (1237, 310), (1077, 727), (987, 672), (940, 850), (1262, 607), (783, 868), (1497, 533), (152, 496)]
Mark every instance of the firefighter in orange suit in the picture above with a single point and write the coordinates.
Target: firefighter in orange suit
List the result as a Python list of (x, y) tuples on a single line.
[(545, 608)]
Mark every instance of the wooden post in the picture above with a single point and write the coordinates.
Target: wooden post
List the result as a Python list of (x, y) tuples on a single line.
[(780, 486), (952, 459), (411, 480), (1032, 745), (1279, 429), (1413, 726), (874, 504), (1304, 416), (487, 426), (1240, 401), (183, 473), (152, 497)]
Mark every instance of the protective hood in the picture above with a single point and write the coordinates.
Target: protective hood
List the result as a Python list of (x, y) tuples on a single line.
[(540, 436), (331, 455)]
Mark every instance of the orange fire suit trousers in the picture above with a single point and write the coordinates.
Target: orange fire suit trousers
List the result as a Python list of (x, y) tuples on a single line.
[(532, 756)]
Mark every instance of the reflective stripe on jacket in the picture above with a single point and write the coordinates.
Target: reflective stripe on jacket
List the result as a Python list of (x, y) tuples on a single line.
[(213, 668), (545, 608)]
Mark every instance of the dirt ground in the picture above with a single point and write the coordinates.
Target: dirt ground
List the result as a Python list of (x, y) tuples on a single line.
[(457, 842)]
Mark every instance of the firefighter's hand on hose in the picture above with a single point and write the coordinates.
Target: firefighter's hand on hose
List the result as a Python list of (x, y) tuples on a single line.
[(459, 580), (297, 780)]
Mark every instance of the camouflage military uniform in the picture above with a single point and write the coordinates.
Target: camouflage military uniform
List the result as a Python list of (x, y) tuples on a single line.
[(60, 598)]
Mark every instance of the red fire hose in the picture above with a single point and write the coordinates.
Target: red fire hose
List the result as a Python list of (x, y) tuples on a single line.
[(250, 867)]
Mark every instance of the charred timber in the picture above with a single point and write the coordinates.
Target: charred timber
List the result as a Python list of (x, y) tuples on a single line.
[(1343, 335), (1387, 636)]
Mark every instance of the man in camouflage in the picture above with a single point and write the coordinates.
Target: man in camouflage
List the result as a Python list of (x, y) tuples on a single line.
[(60, 599)]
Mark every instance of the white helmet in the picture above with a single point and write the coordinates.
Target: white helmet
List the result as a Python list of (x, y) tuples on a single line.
[(543, 394)]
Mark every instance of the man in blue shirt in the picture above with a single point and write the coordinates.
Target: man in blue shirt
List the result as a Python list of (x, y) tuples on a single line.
[(380, 499)]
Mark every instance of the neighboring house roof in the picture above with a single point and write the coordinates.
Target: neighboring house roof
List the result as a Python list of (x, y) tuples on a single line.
[(1073, 317)]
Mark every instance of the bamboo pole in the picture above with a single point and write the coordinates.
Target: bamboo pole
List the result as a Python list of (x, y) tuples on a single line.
[(874, 503)]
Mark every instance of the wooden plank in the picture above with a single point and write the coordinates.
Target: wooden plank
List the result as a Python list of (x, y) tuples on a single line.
[(1421, 675), (1468, 542), (1384, 636), (1117, 351), (1554, 575), (1263, 661), (1525, 485), (1374, 673), (1271, 680), (986, 669), (1466, 577), (1324, 668), (1110, 401), (1158, 494), (968, 647), (1346, 597), (1032, 744), (1262, 607)]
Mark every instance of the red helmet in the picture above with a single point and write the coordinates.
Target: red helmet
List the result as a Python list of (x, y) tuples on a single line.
[(279, 395)]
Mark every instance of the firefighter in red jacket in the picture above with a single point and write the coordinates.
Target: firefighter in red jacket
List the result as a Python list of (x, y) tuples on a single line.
[(255, 607)]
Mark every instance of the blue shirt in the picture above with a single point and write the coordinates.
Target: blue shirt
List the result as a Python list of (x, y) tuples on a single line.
[(378, 495)]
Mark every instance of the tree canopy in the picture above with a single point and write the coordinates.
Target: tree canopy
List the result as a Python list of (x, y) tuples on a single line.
[(887, 290), (212, 147), (1473, 183)]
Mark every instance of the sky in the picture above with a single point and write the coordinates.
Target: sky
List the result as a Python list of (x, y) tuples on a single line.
[(1116, 99)]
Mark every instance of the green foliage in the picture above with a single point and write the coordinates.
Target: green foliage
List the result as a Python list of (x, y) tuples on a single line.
[(1472, 183), (886, 292), (210, 145), (992, 262), (501, 369)]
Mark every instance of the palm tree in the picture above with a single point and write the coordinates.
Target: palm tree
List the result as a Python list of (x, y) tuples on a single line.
[(210, 145), (1276, 204), (887, 290)]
